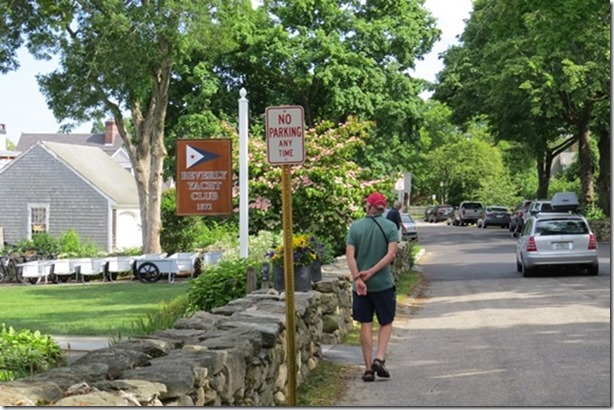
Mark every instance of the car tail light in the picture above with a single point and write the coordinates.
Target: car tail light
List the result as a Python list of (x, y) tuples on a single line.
[(520, 214), (531, 245), (592, 242)]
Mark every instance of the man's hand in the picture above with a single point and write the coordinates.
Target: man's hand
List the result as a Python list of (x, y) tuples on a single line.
[(361, 287)]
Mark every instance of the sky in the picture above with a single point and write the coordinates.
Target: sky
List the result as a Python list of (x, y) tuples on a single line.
[(23, 108)]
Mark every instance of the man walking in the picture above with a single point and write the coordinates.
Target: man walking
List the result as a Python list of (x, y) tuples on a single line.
[(371, 246), (395, 216)]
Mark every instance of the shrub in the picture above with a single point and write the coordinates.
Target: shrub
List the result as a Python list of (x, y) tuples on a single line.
[(165, 318), (219, 284), (24, 353), (594, 213)]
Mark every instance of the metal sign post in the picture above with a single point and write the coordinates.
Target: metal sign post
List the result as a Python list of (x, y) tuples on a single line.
[(286, 204), (286, 146)]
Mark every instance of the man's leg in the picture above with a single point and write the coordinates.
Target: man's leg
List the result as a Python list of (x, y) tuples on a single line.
[(366, 342), (383, 337)]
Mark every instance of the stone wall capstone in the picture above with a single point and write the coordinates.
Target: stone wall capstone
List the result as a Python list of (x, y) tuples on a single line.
[(234, 355)]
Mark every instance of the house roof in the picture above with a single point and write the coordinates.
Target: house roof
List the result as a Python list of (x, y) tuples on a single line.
[(99, 169), (95, 140)]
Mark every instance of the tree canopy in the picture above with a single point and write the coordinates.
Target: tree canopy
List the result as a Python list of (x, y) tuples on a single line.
[(537, 70)]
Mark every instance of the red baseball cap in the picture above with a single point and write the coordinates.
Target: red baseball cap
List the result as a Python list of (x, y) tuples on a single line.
[(376, 200)]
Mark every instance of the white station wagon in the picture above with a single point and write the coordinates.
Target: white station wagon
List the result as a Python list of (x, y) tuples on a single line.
[(556, 239)]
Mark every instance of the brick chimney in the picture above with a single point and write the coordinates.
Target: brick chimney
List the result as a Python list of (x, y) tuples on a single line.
[(110, 131)]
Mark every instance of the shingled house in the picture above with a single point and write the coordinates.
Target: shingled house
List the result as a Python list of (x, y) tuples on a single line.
[(110, 142), (54, 187)]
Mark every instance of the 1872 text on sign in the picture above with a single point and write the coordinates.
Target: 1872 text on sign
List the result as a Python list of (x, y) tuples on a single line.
[(285, 135), (204, 177)]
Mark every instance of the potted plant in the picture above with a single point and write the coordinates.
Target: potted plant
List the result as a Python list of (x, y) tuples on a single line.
[(303, 256), (323, 254)]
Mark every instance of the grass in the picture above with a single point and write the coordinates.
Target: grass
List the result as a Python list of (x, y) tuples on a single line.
[(92, 309), (325, 384)]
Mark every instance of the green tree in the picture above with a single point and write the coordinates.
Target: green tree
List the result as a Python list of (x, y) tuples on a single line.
[(336, 58), (537, 71), (117, 58)]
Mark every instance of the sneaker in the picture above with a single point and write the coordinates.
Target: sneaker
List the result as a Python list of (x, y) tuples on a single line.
[(368, 376), (379, 367)]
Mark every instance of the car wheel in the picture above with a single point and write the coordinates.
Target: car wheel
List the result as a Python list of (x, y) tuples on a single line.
[(593, 270), (527, 272), (518, 266)]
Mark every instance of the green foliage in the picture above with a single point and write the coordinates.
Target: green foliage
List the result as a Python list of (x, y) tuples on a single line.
[(468, 169), (189, 233), (164, 318), (303, 251), (42, 243), (68, 245), (71, 246), (219, 284), (531, 67), (595, 213), (24, 353)]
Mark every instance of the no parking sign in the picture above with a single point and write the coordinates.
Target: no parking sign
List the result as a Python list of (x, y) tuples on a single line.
[(285, 135)]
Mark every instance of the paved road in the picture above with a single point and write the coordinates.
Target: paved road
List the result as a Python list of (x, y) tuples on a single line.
[(483, 335)]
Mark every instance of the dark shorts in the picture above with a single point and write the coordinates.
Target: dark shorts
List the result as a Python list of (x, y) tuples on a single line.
[(383, 304)]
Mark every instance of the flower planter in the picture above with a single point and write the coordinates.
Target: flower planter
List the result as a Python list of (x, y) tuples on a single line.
[(316, 270), (302, 278)]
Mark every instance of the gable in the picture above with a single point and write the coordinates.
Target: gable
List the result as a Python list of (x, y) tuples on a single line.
[(26, 141)]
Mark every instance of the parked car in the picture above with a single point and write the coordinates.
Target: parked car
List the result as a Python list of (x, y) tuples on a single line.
[(440, 213), (411, 232), (494, 215), (517, 220), (428, 211), (537, 207), (556, 239), (467, 213)]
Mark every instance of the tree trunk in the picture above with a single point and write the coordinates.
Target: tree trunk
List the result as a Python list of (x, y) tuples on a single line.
[(543, 175), (586, 164), (147, 156), (603, 180)]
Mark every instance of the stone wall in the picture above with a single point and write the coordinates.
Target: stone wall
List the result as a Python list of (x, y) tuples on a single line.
[(601, 229), (234, 355)]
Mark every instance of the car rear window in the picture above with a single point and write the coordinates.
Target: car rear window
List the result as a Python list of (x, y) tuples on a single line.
[(406, 218), (496, 209), (472, 205), (546, 207), (561, 227)]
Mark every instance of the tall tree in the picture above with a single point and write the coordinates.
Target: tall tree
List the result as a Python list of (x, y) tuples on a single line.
[(537, 71), (116, 59), (336, 58)]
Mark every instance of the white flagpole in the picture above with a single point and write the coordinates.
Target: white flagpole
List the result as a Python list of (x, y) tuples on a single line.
[(243, 177)]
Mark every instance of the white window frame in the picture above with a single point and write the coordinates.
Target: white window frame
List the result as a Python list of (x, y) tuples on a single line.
[(33, 206)]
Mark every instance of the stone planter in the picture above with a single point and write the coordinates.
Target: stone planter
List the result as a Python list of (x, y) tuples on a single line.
[(316, 270), (302, 278)]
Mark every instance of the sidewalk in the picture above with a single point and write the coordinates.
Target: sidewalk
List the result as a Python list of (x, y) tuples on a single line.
[(81, 343)]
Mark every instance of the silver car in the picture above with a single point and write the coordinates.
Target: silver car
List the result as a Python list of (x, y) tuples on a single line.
[(411, 232), (556, 240)]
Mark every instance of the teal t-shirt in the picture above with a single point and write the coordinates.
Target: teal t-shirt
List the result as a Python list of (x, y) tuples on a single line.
[(371, 246)]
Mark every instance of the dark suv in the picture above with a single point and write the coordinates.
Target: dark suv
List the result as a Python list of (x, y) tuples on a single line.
[(517, 221), (440, 213)]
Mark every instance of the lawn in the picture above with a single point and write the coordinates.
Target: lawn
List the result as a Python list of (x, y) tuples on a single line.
[(92, 309)]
